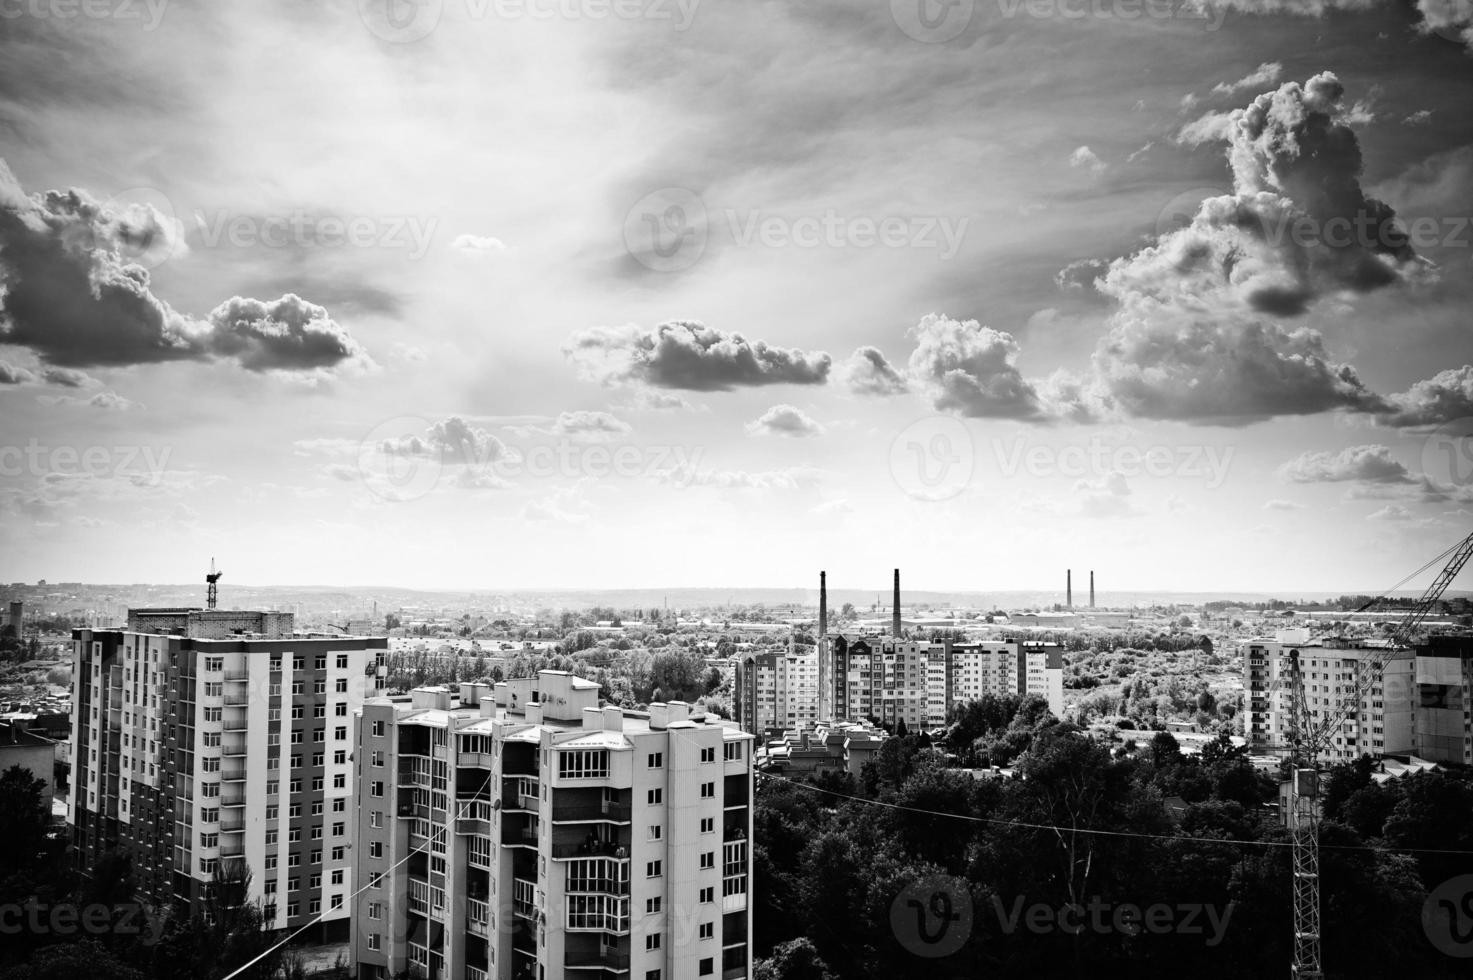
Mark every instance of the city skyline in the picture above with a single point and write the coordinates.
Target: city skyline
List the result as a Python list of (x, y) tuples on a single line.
[(963, 311)]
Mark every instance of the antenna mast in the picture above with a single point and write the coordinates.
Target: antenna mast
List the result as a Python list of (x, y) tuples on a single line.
[(212, 580)]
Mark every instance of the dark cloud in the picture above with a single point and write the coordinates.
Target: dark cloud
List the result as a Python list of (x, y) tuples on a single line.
[(11, 374), (68, 378), (868, 372), (690, 356), (69, 294), (968, 369)]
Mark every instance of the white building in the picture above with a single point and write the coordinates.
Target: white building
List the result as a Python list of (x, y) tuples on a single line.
[(527, 832), (205, 737)]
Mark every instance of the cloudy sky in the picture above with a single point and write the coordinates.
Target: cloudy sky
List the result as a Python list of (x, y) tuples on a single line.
[(534, 293)]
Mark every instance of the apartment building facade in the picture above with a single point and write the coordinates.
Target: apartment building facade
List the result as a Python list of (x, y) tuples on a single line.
[(521, 830), (967, 671), (205, 739), (1332, 670), (777, 691), (1444, 704)]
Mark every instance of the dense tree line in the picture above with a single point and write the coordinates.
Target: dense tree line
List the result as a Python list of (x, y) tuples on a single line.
[(835, 855)]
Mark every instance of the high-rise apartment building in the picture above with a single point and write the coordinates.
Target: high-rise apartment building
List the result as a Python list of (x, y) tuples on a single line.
[(1331, 670), (523, 831), (204, 737), (1444, 705), (995, 667), (777, 691)]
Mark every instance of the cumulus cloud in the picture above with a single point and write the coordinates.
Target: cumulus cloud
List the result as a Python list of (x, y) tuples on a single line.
[(69, 293), (477, 244), (11, 374), (1450, 18), (1080, 273), (589, 425), (1362, 464), (1264, 74), (1391, 512), (68, 378), (1084, 157), (452, 441), (1442, 398), (1211, 127), (690, 356), (784, 420), (868, 372), (968, 369)]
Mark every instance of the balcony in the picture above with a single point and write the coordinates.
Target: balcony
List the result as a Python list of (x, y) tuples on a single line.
[(570, 812), (581, 849), (237, 675), (610, 960), (234, 721), (524, 899), (233, 774), (478, 916), (237, 700), (232, 826), (233, 849), (232, 799), (233, 747)]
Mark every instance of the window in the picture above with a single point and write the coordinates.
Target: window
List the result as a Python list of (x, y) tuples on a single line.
[(708, 860), (656, 760), (317, 809), (271, 887), (376, 788), (340, 757), (316, 855), (732, 751), (651, 975), (375, 818), (708, 895), (652, 905), (652, 941), (294, 809), (319, 687), (342, 685), (708, 930), (271, 836), (583, 764), (708, 790), (340, 733), (375, 910), (317, 758), (708, 754), (378, 729), (209, 840), (338, 829), (340, 709), (317, 784), (708, 825), (376, 849), (296, 740), (708, 966), (296, 711), (319, 711), (375, 941), (273, 812), (291, 910), (320, 663), (271, 862), (340, 781), (209, 814), (656, 831), (339, 805), (314, 906), (317, 734), (655, 797), (293, 835), (652, 869), (342, 661), (314, 882)]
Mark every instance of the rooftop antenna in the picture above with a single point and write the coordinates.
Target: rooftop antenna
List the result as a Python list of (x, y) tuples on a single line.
[(213, 581)]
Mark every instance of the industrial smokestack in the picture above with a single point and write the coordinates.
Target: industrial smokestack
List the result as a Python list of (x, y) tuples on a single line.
[(1091, 588), (1068, 588), (823, 603), (895, 612)]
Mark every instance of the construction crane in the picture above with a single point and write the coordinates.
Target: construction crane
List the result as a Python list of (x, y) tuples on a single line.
[(1307, 739), (212, 583)]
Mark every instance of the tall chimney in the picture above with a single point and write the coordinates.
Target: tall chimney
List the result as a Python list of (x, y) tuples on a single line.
[(895, 612), (1091, 588), (823, 603), (1068, 588)]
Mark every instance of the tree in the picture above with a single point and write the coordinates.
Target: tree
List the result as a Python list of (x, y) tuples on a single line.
[(87, 958), (796, 959)]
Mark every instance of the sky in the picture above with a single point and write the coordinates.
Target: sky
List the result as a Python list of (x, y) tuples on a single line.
[(638, 293)]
